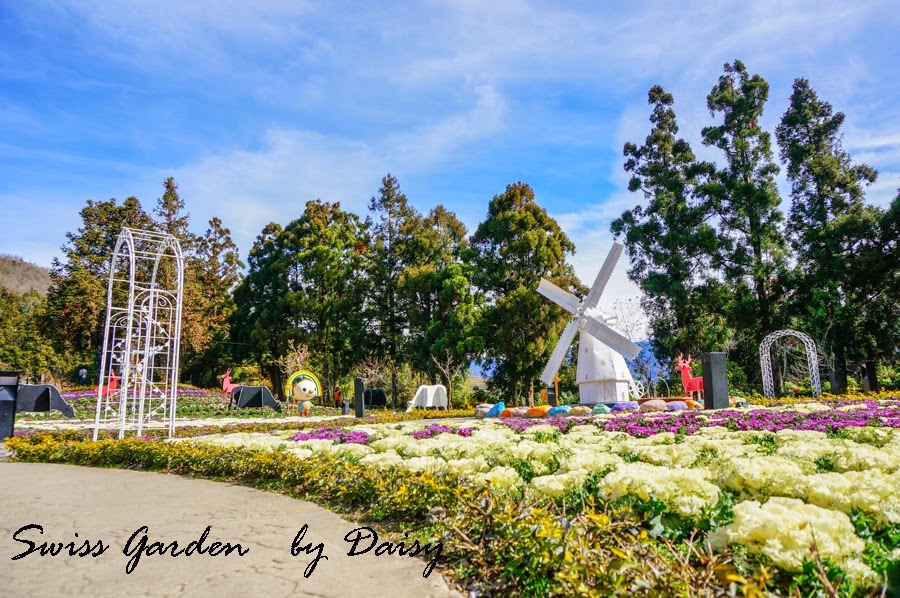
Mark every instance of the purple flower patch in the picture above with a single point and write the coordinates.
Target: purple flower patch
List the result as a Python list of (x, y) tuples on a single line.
[(335, 435), (870, 413), (433, 430)]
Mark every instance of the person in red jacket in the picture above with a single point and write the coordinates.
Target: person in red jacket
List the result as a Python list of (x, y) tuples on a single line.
[(337, 397)]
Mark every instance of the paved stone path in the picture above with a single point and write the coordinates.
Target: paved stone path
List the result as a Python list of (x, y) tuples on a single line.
[(110, 505)]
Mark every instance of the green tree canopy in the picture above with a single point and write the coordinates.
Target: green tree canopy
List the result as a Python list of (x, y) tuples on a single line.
[(828, 226), (324, 254), (669, 240), (393, 224), (743, 196), (513, 248), (76, 302)]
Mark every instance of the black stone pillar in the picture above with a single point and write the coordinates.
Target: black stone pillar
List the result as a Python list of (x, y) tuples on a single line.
[(9, 389), (358, 397), (715, 381)]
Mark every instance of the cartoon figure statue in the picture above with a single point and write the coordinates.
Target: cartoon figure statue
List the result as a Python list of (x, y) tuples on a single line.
[(301, 388)]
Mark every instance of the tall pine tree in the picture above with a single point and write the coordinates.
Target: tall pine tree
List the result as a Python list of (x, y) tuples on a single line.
[(668, 239), (392, 224), (435, 243), (742, 195), (76, 301), (216, 272), (323, 253), (828, 224), (260, 325)]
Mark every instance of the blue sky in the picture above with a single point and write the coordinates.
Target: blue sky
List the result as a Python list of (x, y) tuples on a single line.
[(257, 107)]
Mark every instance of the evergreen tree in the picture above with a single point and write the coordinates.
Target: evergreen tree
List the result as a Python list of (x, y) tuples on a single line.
[(217, 273), (743, 197), (23, 345), (196, 332), (259, 325), (827, 226), (517, 245), (451, 338), (323, 252), (171, 219), (219, 268), (668, 240), (434, 245), (889, 240), (391, 232), (76, 302)]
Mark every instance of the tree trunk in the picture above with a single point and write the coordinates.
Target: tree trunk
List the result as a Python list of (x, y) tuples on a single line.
[(394, 386), (776, 371), (872, 374), (275, 375), (449, 392)]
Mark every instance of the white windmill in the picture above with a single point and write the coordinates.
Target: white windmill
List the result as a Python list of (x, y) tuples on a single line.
[(602, 374)]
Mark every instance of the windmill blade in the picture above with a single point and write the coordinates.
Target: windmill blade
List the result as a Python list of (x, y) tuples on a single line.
[(564, 299), (603, 276), (559, 352), (609, 337)]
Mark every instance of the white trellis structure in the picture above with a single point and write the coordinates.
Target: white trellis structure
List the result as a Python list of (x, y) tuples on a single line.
[(141, 339), (812, 361)]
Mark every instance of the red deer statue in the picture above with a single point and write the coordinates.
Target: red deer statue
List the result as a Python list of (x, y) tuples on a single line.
[(112, 386), (691, 385), (248, 396), (227, 386)]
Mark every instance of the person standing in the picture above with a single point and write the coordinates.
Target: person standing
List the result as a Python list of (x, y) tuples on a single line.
[(82, 377), (337, 396)]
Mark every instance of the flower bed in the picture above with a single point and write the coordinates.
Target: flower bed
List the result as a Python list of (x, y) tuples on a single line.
[(198, 403), (789, 499)]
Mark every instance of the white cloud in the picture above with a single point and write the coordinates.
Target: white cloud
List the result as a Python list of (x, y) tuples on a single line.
[(589, 230), (294, 166), (884, 190), (337, 95)]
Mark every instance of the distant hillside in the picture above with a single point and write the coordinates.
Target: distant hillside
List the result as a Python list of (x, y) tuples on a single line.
[(20, 276)]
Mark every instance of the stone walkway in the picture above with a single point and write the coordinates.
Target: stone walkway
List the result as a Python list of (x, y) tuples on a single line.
[(110, 506)]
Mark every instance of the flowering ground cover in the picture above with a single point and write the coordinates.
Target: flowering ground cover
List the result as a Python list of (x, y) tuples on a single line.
[(770, 501)]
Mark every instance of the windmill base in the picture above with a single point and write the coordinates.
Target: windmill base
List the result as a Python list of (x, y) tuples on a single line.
[(605, 391)]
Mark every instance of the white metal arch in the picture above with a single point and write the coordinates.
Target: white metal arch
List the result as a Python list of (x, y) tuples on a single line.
[(812, 361), (142, 336)]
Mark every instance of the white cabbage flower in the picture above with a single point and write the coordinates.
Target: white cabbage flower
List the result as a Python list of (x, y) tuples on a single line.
[(785, 529), (426, 464), (589, 460), (686, 491), (385, 460), (468, 466), (557, 485), (500, 478), (873, 492), (760, 475), (350, 450)]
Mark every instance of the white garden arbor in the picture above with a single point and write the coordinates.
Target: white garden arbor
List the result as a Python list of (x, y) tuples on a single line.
[(141, 339), (812, 361)]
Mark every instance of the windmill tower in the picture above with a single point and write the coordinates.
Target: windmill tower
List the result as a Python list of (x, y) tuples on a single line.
[(602, 375)]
